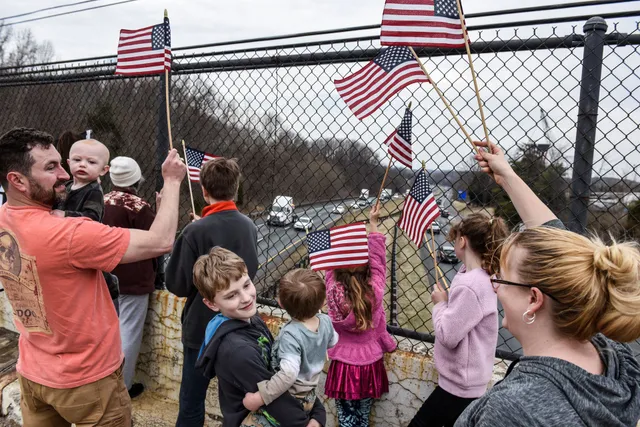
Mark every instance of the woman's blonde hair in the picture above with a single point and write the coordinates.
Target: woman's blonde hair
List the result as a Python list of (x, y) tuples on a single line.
[(597, 286)]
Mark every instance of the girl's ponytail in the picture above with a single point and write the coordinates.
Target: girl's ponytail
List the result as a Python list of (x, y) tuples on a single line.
[(485, 236)]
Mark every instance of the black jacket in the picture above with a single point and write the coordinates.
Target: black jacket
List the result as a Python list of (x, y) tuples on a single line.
[(239, 354), (87, 201), (228, 229)]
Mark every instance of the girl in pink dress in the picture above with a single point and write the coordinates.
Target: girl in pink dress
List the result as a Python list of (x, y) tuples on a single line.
[(357, 374)]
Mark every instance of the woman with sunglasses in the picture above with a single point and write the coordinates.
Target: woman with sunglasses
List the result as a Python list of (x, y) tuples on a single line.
[(570, 301)]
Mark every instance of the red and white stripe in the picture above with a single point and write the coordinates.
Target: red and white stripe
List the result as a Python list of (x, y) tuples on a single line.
[(413, 23), (400, 149), (349, 248), (136, 57), (366, 90), (194, 172), (416, 217)]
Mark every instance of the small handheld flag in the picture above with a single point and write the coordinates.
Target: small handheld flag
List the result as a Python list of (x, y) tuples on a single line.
[(369, 88), (420, 209), (195, 160), (399, 141), (344, 246), (145, 51), (421, 23)]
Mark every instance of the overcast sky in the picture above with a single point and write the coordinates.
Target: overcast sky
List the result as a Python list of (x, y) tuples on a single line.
[(514, 86), (95, 32)]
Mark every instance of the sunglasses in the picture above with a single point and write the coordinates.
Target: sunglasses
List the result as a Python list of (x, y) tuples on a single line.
[(496, 281)]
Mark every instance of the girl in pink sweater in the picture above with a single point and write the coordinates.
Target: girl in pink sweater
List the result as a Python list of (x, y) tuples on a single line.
[(465, 323), (354, 298)]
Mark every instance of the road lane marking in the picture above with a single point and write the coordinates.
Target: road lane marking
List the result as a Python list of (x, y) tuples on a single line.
[(279, 253)]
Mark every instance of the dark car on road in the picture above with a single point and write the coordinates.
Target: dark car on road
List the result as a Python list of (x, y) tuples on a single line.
[(447, 253), (444, 213)]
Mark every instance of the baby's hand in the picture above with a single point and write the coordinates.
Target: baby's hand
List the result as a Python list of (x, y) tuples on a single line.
[(252, 401), (314, 423), (58, 213)]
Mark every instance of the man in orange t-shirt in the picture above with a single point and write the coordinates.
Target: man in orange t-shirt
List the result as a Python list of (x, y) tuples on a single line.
[(70, 362)]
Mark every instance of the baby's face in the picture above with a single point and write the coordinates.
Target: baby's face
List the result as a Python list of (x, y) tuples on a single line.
[(88, 160)]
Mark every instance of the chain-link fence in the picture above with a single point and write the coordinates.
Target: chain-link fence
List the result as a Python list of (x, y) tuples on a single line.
[(276, 110)]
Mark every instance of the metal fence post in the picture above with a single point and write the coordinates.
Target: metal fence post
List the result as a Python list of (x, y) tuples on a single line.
[(393, 303), (594, 30), (162, 143)]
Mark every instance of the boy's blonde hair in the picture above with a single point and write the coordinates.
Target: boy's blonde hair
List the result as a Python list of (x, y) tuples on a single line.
[(597, 286), (215, 271), (302, 293)]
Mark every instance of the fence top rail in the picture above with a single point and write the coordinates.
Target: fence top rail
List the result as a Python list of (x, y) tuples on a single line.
[(220, 61), (496, 25)]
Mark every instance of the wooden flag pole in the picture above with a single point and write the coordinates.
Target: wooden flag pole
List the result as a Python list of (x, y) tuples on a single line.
[(446, 103), (473, 72), (383, 180), (435, 261), (166, 100), (193, 207)]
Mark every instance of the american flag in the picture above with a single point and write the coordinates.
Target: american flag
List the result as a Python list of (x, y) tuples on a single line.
[(420, 209), (392, 70), (195, 160), (432, 23), (399, 141), (344, 246), (145, 51)]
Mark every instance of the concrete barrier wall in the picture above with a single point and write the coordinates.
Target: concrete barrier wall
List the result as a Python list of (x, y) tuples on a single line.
[(412, 374)]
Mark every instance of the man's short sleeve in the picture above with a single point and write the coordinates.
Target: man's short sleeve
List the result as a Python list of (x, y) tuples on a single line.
[(97, 246)]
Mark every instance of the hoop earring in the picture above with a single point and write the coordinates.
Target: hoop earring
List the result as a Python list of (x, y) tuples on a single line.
[(527, 318)]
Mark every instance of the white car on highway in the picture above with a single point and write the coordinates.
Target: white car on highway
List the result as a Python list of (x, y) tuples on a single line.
[(303, 223), (338, 209), (436, 228)]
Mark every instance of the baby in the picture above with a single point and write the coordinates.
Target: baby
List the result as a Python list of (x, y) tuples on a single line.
[(88, 161)]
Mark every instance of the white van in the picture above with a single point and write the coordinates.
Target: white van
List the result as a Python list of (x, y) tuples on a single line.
[(281, 212)]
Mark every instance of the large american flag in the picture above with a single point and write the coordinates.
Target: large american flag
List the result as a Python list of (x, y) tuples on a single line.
[(399, 141), (420, 209), (145, 51), (195, 160), (392, 70), (432, 23), (344, 246)]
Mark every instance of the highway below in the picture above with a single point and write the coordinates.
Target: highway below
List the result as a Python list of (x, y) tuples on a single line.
[(276, 243)]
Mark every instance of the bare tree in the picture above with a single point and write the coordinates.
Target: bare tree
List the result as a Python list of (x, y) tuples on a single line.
[(28, 51), (5, 37)]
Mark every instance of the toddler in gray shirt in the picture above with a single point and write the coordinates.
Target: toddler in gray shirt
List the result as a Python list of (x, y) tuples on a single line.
[(300, 349)]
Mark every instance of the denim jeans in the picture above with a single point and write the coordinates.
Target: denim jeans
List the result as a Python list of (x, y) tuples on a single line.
[(193, 391)]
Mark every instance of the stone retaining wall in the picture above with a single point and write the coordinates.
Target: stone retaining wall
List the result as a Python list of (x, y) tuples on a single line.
[(412, 374)]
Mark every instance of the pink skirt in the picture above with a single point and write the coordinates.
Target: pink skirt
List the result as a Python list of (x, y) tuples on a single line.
[(353, 382)]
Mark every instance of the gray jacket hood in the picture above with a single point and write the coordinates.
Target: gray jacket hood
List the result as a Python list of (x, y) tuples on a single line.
[(546, 391)]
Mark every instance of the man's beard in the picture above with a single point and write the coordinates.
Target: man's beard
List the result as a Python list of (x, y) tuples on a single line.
[(48, 197)]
